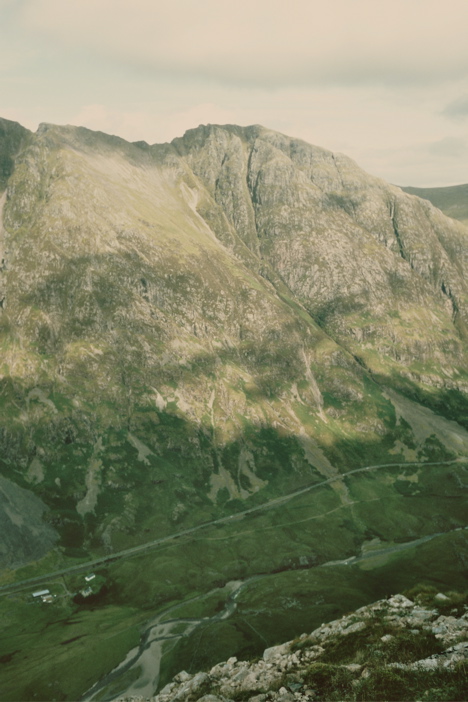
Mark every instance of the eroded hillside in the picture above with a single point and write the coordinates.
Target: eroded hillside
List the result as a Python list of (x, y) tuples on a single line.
[(234, 321)]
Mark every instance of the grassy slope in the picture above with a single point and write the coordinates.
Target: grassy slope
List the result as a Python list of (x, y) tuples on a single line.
[(290, 597)]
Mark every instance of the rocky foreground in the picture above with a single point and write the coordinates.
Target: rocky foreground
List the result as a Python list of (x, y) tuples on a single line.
[(395, 649)]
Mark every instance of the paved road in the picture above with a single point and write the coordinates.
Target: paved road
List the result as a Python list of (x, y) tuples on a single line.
[(151, 545)]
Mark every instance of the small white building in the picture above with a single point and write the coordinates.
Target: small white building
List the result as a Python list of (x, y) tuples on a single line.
[(41, 593), (89, 577)]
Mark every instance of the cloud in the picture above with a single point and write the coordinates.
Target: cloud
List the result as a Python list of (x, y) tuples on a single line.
[(385, 135), (458, 109), (270, 43), (7, 5), (138, 125), (365, 77), (423, 164), (449, 147)]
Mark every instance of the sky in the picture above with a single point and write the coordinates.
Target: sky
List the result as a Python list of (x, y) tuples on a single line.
[(385, 82)]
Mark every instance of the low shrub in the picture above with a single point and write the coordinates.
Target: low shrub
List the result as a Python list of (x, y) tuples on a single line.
[(330, 682), (406, 647), (393, 685)]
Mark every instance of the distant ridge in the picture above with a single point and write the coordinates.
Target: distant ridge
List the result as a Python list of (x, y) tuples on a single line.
[(452, 200)]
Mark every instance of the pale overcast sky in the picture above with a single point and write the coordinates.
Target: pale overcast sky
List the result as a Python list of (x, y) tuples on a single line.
[(384, 81)]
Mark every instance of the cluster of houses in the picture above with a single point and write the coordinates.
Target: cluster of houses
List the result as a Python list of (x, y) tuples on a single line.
[(46, 595), (88, 590)]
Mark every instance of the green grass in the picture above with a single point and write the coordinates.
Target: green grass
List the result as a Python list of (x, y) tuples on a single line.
[(452, 200), (332, 682), (281, 606), (425, 595), (366, 647), (285, 545), (388, 684), (60, 651)]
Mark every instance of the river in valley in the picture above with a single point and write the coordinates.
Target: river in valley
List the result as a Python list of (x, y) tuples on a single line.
[(145, 659), (141, 666)]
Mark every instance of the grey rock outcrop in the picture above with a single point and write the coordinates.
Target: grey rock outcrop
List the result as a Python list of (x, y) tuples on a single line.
[(282, 673), (346, 244)]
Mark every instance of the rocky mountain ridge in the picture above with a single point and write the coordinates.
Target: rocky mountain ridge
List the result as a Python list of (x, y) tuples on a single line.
[(387, 639)]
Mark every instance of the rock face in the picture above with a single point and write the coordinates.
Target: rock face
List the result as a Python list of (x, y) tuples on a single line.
[(13, 137), (415, 644), (25, 535), (173, 314), (348, 246)]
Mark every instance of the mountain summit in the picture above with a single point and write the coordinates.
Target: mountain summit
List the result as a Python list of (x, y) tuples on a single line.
[(198, 329)]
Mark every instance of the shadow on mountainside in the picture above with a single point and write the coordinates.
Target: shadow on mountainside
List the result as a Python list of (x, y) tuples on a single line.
[(161, 474)]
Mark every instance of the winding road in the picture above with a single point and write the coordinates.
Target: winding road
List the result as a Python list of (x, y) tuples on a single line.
[(156, 543)]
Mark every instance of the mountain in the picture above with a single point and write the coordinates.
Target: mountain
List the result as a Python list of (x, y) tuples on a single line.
[(234, 358), (452, 200)]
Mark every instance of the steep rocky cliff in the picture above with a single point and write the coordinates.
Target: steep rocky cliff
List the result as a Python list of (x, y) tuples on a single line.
[(350, 247)]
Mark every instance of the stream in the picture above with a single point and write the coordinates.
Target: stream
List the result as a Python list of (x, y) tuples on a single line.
[(145, 659), (147, 655)]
